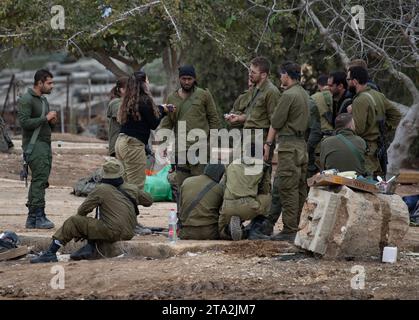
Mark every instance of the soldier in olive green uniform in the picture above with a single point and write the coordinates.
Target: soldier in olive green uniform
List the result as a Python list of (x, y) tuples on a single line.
[(114, 126), (37, 120), (290, 122), (243, 199), (239, 107), (116, 215), (196, 108), (345, 151), (200, 201), (321, 122), (369, 107), (264, 98), (112, 113)]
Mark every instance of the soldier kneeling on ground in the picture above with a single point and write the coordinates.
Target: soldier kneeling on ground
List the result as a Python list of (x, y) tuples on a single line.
[(116, 210), (243, 200)]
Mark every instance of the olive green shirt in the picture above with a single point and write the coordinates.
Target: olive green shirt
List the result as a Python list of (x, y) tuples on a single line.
[(240, 104), (324, 104), (241, 184), (29, 114), (368, 107), (262, 104), (335, 154), (206, 212), (202, 114), (291, 117), (114, 126), (116, 210), (239, 107)]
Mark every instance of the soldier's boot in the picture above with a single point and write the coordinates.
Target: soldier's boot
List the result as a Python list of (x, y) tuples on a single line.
[(235, 227), (260, 229), (88, 252), (31, 219), (284, 236), (42, 221), (50, 255)]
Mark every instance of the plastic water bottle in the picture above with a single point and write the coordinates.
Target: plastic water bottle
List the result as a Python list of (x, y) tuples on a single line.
[(172, 226)]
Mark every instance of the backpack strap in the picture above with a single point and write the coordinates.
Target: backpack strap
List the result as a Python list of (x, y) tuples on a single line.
[(187, 104), (351, 147), (35, 134), (370, 97), (250, 105)]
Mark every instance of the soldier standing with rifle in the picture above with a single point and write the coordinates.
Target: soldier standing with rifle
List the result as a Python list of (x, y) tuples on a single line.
[(37, 121), (373, 115)]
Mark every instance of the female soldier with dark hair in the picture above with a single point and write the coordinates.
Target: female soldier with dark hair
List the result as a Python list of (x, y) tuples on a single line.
[(117, 93), (137, 115)]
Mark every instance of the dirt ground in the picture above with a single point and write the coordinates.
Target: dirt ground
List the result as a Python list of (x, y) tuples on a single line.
[(240, 270)]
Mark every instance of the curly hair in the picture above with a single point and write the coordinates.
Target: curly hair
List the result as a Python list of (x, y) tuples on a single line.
[(137, 95)]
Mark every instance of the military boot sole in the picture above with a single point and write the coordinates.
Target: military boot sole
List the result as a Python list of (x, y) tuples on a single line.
[(289, 237), (87, 252), (236, 231), (45, 259), (44, 226), (258, 236)]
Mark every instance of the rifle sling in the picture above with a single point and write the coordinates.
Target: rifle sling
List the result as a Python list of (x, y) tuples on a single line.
[(35, 134), (351, 147), (186, 105), (249, 106), (198, 198)]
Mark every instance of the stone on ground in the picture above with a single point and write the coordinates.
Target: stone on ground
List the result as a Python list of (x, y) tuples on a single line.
[(351, 224)]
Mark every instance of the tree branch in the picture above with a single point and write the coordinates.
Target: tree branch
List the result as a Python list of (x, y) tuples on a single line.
[(105, 60), (325, 32), (173, 21), (125, 15), (133, 64), (266, 25)]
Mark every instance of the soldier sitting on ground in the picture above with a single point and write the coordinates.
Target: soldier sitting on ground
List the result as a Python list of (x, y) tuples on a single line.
[(200, 201), (116, 203), (344, 151)]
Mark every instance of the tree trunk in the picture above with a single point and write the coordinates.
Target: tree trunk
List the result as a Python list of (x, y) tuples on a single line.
[(406, 133), (105, 60), (172, 58)]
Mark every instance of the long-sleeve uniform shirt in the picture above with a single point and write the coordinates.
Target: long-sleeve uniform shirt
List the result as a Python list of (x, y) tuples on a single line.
[(116, 210), (30, 111)]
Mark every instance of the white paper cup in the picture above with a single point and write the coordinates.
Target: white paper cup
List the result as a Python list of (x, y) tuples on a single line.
[(390, 254)]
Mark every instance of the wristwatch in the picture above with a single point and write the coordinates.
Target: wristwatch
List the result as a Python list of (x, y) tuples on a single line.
[(269, 143)]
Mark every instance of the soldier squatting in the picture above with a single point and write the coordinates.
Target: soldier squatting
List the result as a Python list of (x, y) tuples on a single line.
[(343, 126)]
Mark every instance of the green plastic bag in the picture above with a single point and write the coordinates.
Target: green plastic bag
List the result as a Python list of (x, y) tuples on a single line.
[(158, 185)]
